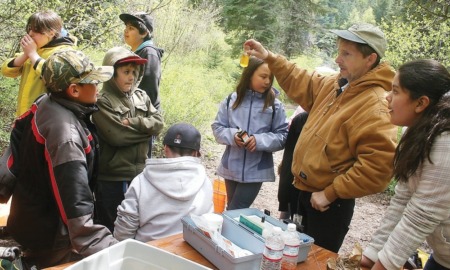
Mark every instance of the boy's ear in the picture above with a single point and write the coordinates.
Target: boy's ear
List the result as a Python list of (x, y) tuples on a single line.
[(73, 91)]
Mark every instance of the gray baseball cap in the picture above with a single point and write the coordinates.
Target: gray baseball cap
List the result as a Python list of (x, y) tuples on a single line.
[(365, 33)]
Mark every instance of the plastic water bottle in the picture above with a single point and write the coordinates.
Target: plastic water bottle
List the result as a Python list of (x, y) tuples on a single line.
[(291, 246), (273, 251)]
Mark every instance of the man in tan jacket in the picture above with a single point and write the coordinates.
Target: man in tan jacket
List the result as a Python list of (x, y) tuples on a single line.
[(346, 148)]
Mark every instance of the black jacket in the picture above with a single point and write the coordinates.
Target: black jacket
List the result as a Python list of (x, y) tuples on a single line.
[(53, 157), (152, 73)]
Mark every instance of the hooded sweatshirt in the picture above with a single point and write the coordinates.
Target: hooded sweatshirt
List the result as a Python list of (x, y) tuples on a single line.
[(152, 71), (31, 86), (167, 190), (123, 149)]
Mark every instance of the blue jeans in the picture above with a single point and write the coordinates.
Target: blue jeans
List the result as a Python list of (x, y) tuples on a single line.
[(241, 195), (433, 265)]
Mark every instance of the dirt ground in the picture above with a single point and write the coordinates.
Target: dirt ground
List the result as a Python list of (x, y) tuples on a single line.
[(368, 213)]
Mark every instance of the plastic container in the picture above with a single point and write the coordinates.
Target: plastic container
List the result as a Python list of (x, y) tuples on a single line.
[(219, 195), (132, 254), (216, 255), (273, 251), (250, 239), (244, 60), (291, 245), (214, 221)]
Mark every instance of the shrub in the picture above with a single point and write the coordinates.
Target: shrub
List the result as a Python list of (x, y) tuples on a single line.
[(8, 100), (191, 89)]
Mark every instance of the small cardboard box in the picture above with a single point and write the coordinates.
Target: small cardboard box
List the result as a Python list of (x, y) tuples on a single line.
[(132, 254), (216, 255), (251, 239)]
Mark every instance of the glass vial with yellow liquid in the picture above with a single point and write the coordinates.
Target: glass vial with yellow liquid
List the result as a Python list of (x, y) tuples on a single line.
[(244, 58)]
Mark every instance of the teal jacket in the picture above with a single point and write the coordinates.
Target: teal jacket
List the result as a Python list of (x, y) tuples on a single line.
[(123, 149)]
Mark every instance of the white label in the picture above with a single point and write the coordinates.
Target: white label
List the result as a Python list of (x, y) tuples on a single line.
[(291, 251), (272, 254)]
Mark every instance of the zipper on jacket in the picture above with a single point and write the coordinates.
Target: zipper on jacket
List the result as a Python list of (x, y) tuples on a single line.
[(248, 126)]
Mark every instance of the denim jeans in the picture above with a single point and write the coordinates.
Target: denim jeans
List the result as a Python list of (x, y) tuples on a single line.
[(241, 195)]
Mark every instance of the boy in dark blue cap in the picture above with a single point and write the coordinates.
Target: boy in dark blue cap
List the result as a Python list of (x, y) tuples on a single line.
[(138, 34)]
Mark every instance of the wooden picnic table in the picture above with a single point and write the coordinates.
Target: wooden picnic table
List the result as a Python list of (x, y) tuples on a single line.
[(316, 260)]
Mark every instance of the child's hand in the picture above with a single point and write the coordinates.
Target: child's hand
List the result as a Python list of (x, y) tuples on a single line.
[(28, 45), (238, 141), (125, 122), (251, 144)]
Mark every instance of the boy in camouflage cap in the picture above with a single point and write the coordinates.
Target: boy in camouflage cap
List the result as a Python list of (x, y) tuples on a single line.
[(72, 67), (51, 159)]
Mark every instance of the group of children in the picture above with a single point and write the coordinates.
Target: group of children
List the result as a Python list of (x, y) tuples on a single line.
[(135, 198), (72, 145)]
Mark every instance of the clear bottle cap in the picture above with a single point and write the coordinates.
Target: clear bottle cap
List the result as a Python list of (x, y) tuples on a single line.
[(277, 230), (291, 227)]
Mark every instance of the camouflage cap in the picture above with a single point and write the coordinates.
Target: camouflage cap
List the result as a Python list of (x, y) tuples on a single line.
[(70, 66)]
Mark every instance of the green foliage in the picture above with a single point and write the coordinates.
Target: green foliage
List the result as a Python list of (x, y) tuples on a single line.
[(391, 188), (182, 30), (248, 19), (8, 102), (414, 39), (436, 9), (296, 26), (191, 91)]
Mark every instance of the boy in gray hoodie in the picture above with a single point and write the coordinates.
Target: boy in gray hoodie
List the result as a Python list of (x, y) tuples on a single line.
[(167, 190)]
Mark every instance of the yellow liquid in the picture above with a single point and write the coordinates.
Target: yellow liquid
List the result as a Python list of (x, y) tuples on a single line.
[(244, 60)]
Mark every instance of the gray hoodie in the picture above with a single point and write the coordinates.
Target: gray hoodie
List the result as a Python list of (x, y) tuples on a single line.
[(167, 190)]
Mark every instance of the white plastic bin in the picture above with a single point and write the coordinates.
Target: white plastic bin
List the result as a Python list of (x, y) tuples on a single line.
[(135, 255), (216, 255)]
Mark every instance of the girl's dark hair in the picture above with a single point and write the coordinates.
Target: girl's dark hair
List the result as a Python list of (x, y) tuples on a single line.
[(245, 81), (140, 27), (45, 21), (422, 78)]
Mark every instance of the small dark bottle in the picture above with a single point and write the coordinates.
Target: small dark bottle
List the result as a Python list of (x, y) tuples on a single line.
[(243, 135)]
